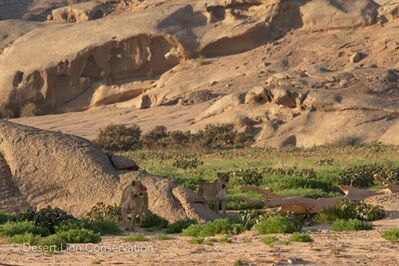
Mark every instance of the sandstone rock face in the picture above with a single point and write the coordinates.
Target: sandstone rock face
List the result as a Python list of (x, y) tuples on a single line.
[(40, 168), (222, 105), (80, 12)]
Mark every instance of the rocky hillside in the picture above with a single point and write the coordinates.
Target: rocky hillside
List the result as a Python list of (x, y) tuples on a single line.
[(289, 72)]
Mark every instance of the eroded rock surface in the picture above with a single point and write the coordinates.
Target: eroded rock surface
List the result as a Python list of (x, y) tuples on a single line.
[(40, 168)]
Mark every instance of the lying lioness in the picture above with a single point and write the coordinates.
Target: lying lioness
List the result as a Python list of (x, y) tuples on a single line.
[(216, 192), (134, 201)]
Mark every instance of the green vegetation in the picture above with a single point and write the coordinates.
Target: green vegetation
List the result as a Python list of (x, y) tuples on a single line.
[(196, 241), (52, 243), (239, 262), (81, 235), (123, 138), (300, 237), (133, 237), (276, 224), (351, 225), (154, 222), (212, 228), (269, 240), (19, 228), (101, 227), (351, 209), (104, 212), (27, 238), (392, 235), (179, 226)]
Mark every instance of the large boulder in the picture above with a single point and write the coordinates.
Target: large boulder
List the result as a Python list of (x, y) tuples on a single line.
[(222, 105), (40, 168), (81, 12)]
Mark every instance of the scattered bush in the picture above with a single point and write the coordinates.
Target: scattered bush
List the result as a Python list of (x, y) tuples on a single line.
[(290, 171), (351, 209), (276, 224), (154, 222), (221, 136), (225, 239), (81, 235), (351, 225), (119, 138), (299, 237), (29, 109), (239, 262), (179, 226), (101, 227), (253, 217), (301, 182), (134, 237), (269, 240), (103, 212), (249, 176), (362, 175), (52, 243), (20, 228), (197, 241), (6, 217), (47, 217), (391, 235), (187, 163), (218, 226), (26, 238)]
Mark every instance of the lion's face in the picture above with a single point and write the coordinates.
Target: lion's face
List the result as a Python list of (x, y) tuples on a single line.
[(223, 180), (138, 188)]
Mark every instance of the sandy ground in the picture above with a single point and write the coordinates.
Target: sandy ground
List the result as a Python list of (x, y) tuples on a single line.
[(328, 248)]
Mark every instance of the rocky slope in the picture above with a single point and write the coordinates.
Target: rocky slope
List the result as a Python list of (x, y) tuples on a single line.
[(293, 72), (40, 168)]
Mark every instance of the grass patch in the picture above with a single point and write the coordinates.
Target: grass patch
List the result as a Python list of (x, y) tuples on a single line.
[(102, 227), (26, 238), (225, 239), (81, 235), (239, 262), (351, 225), (20, 228), (269, 240), (133, 237), (212, 228), (154, 222), (275, 225), (52, 243), (179, 226), (392, 235), (300, 237), (196, 241)]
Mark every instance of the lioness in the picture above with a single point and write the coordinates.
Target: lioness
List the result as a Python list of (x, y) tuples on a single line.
[(216, 192), (134, 201)]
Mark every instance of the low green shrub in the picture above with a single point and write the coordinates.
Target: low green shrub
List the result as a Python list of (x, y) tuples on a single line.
[(52, 243), (351, 209), (292, 182), (153, 221), (253, 217), (26, 238), (6, 217), (47, 217), (133, 237), (187, 163), (362, 175), (276, 224), (197, 241), (81, 235), (179, 226), (249, 176), (212, 228), (351, 225), (104, 212), (269, 240), (300, 237), (119, 138), (101, 227), (392, 235), (20, 228)]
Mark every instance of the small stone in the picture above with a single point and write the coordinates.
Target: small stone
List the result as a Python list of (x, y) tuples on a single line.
[(356, 57)]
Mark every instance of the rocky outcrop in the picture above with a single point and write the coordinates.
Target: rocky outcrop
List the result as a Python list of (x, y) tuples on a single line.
[(81, 12), (40, 168)]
